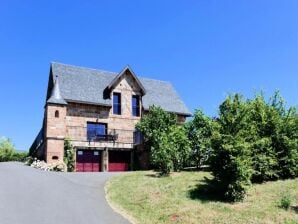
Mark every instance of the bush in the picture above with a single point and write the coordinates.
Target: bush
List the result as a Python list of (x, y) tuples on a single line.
[(6, 150), (168, 143), (230, 161), (285, 201), (253, 140), (69, 155), (19, 156), (199, 131), (42, 165)]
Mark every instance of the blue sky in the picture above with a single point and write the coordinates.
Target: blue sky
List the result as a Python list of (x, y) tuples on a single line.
[(207, 49)]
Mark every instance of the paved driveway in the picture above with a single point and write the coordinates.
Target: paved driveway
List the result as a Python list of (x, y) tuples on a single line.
[(31, 196)]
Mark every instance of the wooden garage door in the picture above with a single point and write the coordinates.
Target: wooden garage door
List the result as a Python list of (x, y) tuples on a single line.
[(119, 160), (88, 161)]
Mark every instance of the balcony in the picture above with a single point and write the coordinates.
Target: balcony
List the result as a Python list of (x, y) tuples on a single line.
[(103, 137)]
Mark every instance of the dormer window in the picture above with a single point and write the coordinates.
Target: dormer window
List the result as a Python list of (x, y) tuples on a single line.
[(135, 106), (117, 103)]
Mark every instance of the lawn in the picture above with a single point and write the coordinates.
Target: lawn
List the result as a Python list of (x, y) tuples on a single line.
[(149, 199)]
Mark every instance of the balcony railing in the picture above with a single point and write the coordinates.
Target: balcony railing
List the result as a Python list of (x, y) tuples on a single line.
[(83, 134)]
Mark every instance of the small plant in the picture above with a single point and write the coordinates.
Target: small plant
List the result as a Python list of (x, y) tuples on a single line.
[(69, 159), (286, 201)]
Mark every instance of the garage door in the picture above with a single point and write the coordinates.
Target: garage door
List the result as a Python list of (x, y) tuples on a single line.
[(88, 161), (119, 160)]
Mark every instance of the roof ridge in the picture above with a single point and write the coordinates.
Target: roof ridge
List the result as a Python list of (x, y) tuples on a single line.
[(83, 67)]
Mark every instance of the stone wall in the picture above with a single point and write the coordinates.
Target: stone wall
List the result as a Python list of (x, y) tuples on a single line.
[(55, 130)]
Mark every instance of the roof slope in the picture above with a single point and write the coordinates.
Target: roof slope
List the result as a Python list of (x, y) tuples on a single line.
[(87, 85)]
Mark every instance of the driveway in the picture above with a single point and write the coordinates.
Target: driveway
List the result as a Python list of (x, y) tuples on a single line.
[(31, 196)]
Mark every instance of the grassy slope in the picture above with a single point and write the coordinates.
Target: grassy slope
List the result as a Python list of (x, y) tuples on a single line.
[(168, 200)]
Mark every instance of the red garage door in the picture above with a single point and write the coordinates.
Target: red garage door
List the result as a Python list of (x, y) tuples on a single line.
[(119, 160), (88, 161)]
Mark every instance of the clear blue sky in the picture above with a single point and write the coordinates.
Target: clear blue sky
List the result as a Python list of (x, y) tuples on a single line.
[(205, 48)]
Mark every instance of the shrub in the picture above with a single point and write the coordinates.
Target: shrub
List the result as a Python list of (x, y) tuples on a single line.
[(199, 131), (42, 165), (6, 150), (230, 161), (285, 201), (19, 156), (69, 155)]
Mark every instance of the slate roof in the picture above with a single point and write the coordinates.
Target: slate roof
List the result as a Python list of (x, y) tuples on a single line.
[(56, 97), (86, 85)]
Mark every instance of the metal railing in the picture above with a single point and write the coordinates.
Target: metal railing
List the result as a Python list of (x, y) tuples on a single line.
[(83, 134)]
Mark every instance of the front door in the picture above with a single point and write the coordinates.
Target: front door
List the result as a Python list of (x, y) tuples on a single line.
[(88, 161)]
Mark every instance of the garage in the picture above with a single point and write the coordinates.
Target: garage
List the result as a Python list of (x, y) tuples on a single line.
[(88, 161), (119, 160)]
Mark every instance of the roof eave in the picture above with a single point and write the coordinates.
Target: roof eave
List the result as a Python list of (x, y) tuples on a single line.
[(89, 103)]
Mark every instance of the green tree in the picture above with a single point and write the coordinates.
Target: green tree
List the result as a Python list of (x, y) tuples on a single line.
[(199, 131), (168, 143), (230, 162), (7, 149), (263, 123), (179, 146), (69, 155)]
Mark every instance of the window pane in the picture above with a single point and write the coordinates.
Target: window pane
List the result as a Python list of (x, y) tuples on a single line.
[(94, 130), (135, 106), (116, 103)]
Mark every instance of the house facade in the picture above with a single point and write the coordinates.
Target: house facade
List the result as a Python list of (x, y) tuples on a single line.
[(97, 111)]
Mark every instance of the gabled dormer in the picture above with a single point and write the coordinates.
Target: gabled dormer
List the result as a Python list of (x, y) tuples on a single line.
[(125, 73), (126, 92)]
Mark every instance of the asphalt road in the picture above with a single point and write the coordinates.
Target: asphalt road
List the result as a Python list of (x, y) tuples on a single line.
[(31, 196)]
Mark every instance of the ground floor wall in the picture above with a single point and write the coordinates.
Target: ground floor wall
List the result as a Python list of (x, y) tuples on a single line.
[(103, 159), (54, 150)]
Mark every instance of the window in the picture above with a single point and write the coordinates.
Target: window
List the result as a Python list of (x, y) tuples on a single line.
[(56, 113), (116, 103), (96, 131), (55, 157), (135, 106)]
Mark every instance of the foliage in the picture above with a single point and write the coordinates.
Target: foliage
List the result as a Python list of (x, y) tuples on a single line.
[(286, 201), (199, 131), (69, 159), (19, 156), (168, 144), (254, 141), (172, 150), (9, 153), (6, 149), (230, 162), (155, 122)]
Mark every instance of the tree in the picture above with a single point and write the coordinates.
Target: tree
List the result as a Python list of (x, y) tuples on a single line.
[(199, 131), (6, 149), (179, 146), (168, 143), (230, 161), (69, 155), (255, 141)]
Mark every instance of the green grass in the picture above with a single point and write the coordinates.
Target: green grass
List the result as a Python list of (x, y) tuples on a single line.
[(175, 199)]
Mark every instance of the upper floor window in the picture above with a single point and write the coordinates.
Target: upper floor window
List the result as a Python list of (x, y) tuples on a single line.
[(56, 113), (135, 106), (96, 131), (116, 103)]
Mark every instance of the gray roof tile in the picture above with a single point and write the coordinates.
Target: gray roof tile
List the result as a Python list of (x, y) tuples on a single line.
[(87, 85)]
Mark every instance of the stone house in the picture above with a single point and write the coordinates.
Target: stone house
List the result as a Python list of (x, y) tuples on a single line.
[(97, 111)]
